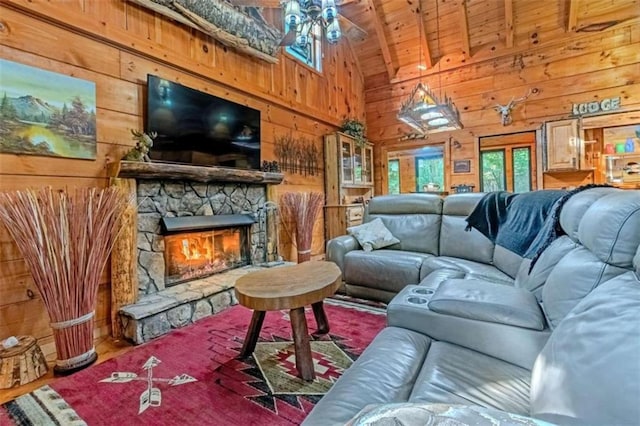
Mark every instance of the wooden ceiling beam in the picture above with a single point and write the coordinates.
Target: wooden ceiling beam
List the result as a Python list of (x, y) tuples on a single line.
[(428, 61), (464, 30), (572, 18), (382, 39), (508, 22)]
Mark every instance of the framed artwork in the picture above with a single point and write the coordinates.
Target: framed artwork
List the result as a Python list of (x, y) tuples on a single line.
[(46, 113), (461, 166)]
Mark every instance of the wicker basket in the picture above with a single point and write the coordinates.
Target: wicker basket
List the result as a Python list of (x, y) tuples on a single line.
[(22, 363)]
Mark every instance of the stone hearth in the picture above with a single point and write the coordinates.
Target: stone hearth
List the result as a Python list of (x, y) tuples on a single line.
[(142, 307), (156, 314)]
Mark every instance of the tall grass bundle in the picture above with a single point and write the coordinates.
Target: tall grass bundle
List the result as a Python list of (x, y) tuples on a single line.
[(65, 239), (299, 211)]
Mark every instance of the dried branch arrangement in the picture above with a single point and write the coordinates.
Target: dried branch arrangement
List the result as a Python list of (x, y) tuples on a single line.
[(299, 156), (66, 240), (299, 211)]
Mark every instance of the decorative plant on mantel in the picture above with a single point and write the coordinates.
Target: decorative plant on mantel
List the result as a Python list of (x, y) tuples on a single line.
[(65, 239), (355, 128)]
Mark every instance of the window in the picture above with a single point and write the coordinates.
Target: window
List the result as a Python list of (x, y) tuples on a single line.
[(419, 169), (311, 53), (521, 169), (493, 171), (394, 177), (430, 170), (506, 162)]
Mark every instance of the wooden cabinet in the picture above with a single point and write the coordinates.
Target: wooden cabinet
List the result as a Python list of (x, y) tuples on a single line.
[(348, 182), (339, 218), (562, 145)]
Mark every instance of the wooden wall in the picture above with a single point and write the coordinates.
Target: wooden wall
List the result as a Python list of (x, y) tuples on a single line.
[(571, 68), (116, 44)]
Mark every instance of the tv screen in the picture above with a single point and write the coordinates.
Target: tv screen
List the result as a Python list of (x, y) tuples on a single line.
[(196, 128)]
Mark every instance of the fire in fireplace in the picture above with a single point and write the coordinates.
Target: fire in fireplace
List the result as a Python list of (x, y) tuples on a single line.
[(191, 253)]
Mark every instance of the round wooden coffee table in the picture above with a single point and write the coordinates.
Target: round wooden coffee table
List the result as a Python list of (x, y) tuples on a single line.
[(289, 287)]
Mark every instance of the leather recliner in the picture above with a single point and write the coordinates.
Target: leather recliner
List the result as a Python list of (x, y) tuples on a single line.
[(471, 343)]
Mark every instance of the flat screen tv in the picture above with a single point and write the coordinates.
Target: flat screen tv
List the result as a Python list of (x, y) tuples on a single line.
[(196, 128)]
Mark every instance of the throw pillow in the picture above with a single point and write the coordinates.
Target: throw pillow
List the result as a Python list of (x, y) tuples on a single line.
[(372, 235)]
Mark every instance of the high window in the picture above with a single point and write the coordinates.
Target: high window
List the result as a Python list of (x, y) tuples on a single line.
[(310, 53)]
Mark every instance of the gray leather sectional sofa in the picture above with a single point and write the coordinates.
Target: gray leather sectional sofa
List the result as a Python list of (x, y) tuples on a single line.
[(560, 343), (432, 237)]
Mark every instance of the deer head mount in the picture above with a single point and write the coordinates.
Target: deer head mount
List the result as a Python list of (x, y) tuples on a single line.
[(505, 110)]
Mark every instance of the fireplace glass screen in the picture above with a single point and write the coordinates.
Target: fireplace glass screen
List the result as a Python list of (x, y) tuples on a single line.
[(192, 255)]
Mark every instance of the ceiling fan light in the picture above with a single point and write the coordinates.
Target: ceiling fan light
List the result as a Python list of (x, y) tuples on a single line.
[(329, 10), (302, 39), (333, 32), (292, 13)]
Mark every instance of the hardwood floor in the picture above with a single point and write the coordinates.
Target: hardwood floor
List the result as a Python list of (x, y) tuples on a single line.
[(106, 347)]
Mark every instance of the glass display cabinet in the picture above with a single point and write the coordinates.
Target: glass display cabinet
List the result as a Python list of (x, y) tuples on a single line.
[(622, 169), (348, 182)]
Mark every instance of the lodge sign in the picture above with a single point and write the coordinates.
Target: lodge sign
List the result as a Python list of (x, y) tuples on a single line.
[(594, 107)]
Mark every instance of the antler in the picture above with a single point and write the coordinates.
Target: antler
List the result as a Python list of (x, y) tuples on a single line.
[(522, 99)]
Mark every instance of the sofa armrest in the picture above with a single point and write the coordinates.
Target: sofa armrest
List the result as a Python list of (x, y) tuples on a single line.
[(484, 301), (517, 345), (338, 247)]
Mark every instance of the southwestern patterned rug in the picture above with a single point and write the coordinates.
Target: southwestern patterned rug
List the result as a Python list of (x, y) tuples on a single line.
[(194, 376)]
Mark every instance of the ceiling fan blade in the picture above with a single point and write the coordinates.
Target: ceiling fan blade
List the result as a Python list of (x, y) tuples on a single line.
[(351, 30), (288, 39)]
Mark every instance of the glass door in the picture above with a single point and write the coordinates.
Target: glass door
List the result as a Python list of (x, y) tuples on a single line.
[(346, 160), (367, 174), (358, 164)]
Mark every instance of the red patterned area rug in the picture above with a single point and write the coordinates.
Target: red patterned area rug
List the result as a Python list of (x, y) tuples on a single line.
[(193, 375)]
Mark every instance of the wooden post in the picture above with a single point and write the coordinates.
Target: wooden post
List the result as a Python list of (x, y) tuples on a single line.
[(124, 272)]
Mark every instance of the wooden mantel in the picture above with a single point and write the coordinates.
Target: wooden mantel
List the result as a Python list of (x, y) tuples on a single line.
[(171, 171)]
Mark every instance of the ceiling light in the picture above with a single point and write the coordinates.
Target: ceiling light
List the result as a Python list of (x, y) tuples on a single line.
[(302, 16), (423, 110)]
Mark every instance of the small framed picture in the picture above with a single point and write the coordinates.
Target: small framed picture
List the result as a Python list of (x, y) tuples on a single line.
[(461, 166)]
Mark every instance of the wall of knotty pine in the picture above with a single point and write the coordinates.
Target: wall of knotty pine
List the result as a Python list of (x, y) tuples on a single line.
[(116, 44), (575, 68)]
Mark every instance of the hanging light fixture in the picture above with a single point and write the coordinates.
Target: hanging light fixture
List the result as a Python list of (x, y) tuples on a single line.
[(302, 16), (423, 110)]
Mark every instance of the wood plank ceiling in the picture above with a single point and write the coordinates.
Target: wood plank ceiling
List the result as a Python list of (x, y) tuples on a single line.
[(460, 31)]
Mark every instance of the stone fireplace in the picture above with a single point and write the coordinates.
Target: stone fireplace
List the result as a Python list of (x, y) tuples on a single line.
[(194, 231), (172, 214)]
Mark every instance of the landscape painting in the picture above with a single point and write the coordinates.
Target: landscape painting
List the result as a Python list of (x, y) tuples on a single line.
[(46, 113)]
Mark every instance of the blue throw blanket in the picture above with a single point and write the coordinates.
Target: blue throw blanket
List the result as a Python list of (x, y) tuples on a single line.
[(516, 221)]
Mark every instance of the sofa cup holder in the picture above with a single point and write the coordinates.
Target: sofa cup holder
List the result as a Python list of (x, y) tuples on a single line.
[(416, 300), (423, 291)]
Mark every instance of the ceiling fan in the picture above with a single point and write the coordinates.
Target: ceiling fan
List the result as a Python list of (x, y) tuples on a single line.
[(312, 10)]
